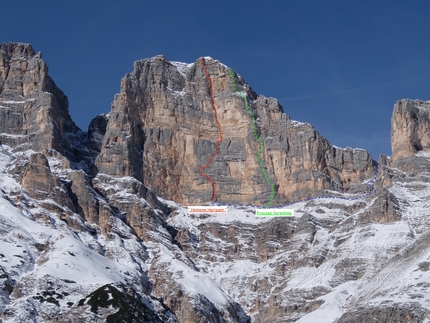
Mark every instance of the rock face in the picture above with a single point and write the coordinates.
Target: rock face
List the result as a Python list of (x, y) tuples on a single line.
[(162, 129), (96, 132), (410, 128), (33, 111), (40, 183)]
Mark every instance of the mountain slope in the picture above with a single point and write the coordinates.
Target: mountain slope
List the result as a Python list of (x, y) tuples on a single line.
[(93, 226)]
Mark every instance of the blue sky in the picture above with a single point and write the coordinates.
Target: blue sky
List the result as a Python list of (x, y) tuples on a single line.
[(340, 65)]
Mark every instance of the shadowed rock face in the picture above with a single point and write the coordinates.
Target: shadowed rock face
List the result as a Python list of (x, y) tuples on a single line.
[(96, 132), (33, 111), (40, 182), (162, 128)]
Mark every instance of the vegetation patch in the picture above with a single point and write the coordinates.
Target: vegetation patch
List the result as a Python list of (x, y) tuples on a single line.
[(49, 297), (130, 307)]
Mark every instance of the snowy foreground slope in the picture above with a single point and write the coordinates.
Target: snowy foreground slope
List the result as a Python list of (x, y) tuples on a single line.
[(48, 266), (330, 263), (51, 271)]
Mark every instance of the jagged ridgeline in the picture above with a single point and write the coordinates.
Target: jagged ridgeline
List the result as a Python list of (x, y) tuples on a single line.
[(162, 128), (86, 236)]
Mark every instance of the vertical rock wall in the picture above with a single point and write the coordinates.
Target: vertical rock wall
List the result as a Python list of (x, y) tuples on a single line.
[(33, 111), (162, 128), (410, 126)]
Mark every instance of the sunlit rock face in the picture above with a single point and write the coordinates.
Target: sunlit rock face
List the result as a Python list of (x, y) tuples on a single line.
[(162, 128), (410, 134)]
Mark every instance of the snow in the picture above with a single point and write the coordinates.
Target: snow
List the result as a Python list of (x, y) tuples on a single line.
[(423, 153), (12, 102), (176, 93), (359, 149), (296, 123), (182, 68), (85, 267), (241, 214), (349, 148), (374, 244), (12, 136), (386, 249), (69, 255), (332, 308), (193, 281), (423, 107), (207, 58)]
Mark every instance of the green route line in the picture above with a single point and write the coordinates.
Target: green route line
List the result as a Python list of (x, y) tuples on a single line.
[(260, 162)]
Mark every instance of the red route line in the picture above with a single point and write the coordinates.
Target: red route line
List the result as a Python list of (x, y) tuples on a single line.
[(219, 130)]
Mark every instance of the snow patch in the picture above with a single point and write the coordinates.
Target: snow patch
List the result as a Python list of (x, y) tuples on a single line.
[(182, 68), (193, 281), (296, 123), (13, 102), (422, 153)]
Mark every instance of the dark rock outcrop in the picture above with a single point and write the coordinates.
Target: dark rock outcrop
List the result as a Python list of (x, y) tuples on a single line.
[(96, 132), (399, 313)]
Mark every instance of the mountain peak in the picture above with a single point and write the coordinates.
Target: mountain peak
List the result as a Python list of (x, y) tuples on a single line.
[(167, 108), (35, 111), (17, 50)]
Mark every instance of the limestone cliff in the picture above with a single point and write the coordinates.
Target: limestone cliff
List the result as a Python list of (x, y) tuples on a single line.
[(410, 134), (33, 110), (162, 128)]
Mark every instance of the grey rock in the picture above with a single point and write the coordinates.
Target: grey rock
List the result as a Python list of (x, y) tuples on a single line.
[(398, 313), (409, 128), (96, 132), (33, 110)]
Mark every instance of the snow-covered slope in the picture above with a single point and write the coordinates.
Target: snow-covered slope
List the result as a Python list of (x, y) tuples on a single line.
[(49, 270), (335, 261), (332, 261)]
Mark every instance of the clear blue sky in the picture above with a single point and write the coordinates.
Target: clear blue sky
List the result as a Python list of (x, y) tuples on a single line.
[(340, 65)]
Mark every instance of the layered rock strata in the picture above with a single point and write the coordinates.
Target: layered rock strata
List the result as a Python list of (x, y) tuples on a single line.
[(33, 110), (162, 128), (410, 135)]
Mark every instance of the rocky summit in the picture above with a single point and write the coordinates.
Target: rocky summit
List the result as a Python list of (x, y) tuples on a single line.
[(94, 225)]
